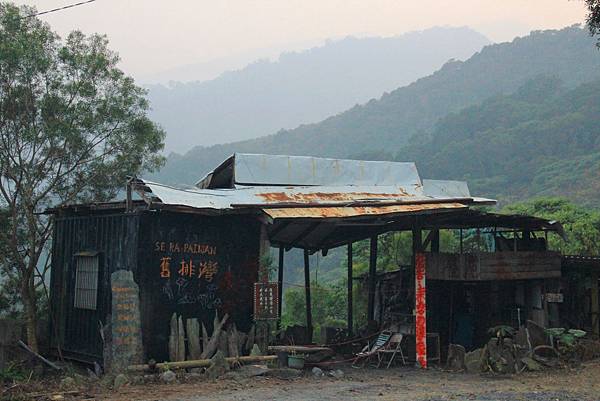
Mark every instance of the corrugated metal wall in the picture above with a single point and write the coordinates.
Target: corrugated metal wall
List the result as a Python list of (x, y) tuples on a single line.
[(113, 237)]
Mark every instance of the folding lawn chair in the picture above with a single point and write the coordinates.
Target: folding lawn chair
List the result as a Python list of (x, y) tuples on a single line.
[(370, 350), (393, 347)]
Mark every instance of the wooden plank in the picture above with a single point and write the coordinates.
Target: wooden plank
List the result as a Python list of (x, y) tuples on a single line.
[(493, 266), (200, 363), (193, 336)]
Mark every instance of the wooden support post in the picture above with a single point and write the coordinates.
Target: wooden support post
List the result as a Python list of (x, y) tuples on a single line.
[(417, 240), (129, 199), (595, 308), (435, 241), (350, 317), (309, 326), (280, 285), (372, 278)]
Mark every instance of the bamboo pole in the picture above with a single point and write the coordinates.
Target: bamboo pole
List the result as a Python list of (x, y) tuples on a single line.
[(199, 363)]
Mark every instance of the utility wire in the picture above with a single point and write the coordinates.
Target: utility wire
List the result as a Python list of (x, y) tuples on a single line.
[(58, 9)]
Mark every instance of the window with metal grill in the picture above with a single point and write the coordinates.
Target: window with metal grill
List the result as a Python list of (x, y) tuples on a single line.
[(86, 281)]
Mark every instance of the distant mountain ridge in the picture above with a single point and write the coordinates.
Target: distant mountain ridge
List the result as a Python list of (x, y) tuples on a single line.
[(381, 128), (301, 87), (542, 140)]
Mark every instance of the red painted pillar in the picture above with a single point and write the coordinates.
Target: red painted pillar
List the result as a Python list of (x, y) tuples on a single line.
[(420, 310)]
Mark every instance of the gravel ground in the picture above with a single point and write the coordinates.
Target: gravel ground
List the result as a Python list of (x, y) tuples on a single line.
[(397, 384)]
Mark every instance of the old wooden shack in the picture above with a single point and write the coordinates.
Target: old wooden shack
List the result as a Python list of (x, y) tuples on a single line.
[(197, 251)]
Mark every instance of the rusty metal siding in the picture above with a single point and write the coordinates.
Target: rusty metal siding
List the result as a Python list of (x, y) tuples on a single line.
[(229, 245), (76, 330), (493, 266)]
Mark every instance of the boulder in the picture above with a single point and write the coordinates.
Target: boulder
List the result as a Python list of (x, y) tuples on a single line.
[(537, 334), (218, 366), (168, 376), (256, 351), (337, 373), (500, 355), (474, 361), (317, 372), (456, 358)]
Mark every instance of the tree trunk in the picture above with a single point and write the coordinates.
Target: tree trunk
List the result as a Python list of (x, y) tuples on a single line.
[(29, 307)]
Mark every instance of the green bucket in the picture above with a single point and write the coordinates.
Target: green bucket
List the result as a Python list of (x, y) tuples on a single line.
[(296, 361)]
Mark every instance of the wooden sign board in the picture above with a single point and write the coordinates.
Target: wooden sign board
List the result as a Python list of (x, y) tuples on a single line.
[(554, 297), (266, 301)]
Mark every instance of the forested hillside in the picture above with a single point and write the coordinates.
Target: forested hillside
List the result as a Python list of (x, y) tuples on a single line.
[(302, 87), (382, 127), (542, 140)]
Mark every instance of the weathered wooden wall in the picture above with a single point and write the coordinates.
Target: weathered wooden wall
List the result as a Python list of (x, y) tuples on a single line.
[(493, 266)]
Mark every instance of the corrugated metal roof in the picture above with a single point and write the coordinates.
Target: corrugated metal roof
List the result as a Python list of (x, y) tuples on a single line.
[(311, 187), (347, 211), (266, 196), (260, 169), (446, 189)]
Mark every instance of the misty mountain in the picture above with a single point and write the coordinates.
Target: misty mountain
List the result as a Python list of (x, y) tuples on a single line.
[(381, 128), (301, 87), (544, 139)]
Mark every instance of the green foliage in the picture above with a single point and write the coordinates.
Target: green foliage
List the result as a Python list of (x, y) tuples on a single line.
[(566, 339), (12, 373), (502, 331), (593, 18), (72, 128), (582, 226), (541, 140), (328, 306)]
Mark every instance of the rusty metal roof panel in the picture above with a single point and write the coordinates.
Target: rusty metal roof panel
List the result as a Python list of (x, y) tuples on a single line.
[(355, 198), (260, 169), (356, 211)]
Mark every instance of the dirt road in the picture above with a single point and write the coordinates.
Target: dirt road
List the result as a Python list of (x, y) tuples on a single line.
[(398, 384)]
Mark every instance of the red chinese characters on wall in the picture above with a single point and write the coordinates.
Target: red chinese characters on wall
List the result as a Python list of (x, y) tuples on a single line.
[(420, 310)]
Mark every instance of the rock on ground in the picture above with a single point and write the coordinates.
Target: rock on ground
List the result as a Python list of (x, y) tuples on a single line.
[(120, 381), (218, 366), (168, 376)]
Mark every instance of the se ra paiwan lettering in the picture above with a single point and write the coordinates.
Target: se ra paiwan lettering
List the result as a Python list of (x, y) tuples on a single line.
[(207, 269), (176, 247)]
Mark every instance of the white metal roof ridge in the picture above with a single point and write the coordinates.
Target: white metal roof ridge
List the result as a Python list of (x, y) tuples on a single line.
[(262, 169), (300, 195)]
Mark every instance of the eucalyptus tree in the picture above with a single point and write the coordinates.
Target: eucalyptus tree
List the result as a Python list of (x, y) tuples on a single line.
[(72, 127)]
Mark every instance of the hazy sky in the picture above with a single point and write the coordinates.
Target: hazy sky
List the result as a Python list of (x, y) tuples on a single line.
[(153, 36)]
